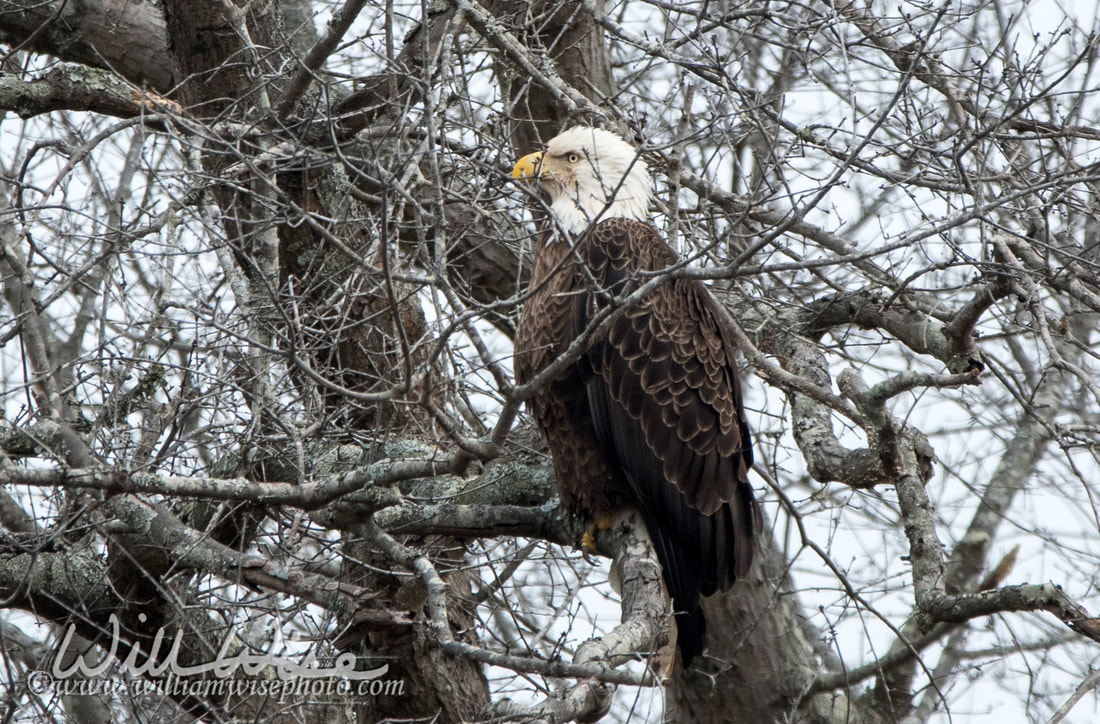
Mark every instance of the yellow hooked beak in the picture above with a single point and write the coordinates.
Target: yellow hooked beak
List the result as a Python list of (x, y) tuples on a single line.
[(528, 167)]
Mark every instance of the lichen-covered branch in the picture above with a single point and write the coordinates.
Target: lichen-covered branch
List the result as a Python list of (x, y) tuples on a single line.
[(71, 87)]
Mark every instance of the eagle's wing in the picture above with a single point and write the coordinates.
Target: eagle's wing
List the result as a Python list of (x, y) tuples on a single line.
[(665, 400), (585, 482)]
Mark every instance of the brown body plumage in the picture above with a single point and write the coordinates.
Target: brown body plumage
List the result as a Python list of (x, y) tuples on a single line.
[(651, 414)]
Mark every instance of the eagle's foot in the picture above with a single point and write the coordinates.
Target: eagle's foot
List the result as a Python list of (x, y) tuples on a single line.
[(588, 540)]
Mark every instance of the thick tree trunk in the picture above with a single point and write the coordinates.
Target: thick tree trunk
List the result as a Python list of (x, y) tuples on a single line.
[(362, 347), (758, 664), (127, 36)]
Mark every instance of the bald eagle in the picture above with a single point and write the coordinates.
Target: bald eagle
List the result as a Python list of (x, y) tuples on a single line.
[(651, 415)]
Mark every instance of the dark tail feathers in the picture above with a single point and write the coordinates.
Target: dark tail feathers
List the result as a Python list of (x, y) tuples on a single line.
[(691, 627)]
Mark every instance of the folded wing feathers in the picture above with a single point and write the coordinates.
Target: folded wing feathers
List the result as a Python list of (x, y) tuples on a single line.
[(667, 365)]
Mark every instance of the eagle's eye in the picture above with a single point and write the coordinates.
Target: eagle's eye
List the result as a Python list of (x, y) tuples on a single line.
[(573, 157)]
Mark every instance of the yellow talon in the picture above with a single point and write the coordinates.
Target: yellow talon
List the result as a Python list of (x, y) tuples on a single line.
[(588, 540)]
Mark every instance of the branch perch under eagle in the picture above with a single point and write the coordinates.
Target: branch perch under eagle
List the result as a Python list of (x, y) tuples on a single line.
[(651, 415)]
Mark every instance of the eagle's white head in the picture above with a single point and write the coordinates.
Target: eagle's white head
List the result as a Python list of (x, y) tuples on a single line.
[(590, 174)]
